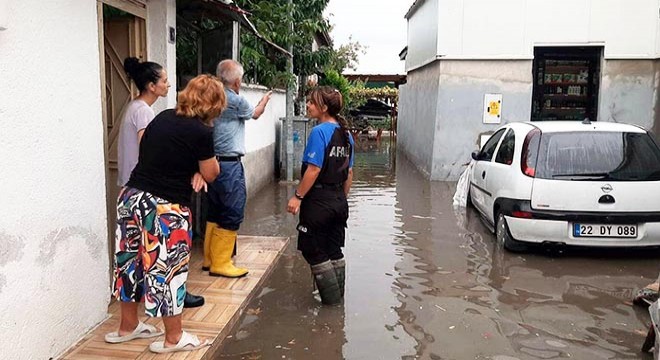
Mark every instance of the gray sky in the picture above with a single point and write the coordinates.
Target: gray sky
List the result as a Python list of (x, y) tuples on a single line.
[(377, 24)]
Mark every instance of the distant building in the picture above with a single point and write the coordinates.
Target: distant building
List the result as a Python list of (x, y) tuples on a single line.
[(378, 80), (530, 60)]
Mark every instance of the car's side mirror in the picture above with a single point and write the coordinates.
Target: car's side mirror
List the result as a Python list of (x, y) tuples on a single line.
[(475, 155)]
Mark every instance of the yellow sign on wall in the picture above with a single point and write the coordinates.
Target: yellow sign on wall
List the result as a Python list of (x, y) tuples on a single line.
[(492, 108)]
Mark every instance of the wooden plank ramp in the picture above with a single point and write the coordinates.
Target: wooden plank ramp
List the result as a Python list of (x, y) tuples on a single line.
[(225, 300)]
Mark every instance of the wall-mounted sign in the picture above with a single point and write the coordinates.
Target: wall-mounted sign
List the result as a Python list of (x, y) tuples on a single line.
[(492, 108)]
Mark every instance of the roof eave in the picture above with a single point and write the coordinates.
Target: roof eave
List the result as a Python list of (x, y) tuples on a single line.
[(413, 8)]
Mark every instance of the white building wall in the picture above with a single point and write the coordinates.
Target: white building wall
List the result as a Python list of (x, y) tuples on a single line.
[(627, 28), (489, 29), (510, 29), (260, 136), (161, 15), (54, 278), (657, 33), (261, 132), (423, 35), (451, 36), (559, 21)]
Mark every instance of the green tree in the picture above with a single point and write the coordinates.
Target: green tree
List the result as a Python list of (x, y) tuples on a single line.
[(347, 89), (346, 56), (271, 18)]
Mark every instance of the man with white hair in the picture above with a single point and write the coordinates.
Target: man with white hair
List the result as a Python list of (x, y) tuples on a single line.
[(227, 194)]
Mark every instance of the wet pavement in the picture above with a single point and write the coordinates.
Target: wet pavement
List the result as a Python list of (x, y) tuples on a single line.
[(427, 281)]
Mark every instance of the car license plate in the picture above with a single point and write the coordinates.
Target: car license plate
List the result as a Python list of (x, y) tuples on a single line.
[(601, 230)]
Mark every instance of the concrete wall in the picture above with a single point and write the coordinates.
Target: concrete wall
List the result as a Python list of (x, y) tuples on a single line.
[(161, 14), (441, 110), (54, 280), (416, 126), (629, 92), (259, 161), (463, 85)]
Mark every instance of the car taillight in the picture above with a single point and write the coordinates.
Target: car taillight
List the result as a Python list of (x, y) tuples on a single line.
[(530, 152), (522, 214)]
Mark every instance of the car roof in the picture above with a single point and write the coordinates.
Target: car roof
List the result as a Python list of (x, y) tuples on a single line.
[(567, 126)]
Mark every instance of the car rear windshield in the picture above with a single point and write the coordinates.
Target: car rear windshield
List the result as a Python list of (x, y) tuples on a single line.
[(589, 156)]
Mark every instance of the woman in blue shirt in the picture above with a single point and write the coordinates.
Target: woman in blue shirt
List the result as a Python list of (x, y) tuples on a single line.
[(327, 175)]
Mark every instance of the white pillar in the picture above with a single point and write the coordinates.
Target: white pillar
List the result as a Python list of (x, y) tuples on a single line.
[(235, 42), (161, 42)]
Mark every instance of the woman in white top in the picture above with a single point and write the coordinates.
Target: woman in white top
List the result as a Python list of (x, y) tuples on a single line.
[(151, 80)]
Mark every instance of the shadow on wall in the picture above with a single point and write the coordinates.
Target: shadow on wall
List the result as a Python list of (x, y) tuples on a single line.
[(12, 251), (13, 247)]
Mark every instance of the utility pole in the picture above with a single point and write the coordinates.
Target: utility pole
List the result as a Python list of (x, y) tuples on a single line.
[(289, 102)]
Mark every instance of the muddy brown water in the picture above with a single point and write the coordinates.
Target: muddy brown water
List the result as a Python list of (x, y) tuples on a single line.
[(426, 281)]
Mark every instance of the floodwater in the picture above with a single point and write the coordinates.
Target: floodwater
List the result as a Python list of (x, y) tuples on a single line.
[(425, 281)]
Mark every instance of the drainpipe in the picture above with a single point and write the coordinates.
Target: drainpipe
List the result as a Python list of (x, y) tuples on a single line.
[(289, 106)]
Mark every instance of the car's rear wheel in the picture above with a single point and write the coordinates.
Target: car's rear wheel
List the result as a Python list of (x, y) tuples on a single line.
[(504, 238)]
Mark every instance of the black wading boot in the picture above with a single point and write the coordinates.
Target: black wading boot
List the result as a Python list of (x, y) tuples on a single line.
[(326, 282), (340, 272)]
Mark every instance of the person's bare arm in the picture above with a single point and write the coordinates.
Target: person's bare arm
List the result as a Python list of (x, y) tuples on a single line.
[(311, 174), (348, 182), (261, 106), (209, 169), (140, 133)]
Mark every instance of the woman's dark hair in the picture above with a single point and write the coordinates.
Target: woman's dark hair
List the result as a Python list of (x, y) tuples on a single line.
[(142, 73), (332, 99)]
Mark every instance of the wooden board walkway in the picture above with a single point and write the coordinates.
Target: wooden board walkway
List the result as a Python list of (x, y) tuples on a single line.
[(225, 301)]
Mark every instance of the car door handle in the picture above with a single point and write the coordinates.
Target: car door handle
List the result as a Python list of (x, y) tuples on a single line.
[(483, 175)]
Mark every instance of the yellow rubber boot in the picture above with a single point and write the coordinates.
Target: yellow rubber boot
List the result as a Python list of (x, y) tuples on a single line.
[(222, 245), (210, 226)]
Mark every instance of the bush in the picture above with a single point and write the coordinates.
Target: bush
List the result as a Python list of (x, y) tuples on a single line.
[(345, 87)]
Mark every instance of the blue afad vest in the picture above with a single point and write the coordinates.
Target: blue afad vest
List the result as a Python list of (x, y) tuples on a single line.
[(336, 161)]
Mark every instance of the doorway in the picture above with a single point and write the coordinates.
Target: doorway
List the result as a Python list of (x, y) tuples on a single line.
[(122, 33), (566, 83)]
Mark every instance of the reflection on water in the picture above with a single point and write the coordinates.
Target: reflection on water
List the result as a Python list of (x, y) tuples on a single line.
[(373, 327), (426, 281)]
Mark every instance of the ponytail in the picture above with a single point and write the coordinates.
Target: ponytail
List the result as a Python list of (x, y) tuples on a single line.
[(142, 73), (343, 123), (331, 98)]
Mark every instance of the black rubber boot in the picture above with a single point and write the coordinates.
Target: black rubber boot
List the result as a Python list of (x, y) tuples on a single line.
[(340, 272), (326, 282), (192, 301)]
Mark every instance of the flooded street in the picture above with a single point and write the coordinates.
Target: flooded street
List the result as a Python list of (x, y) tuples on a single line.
[(425, 281)]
